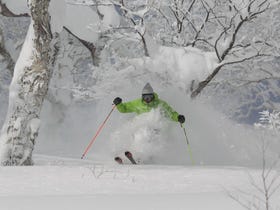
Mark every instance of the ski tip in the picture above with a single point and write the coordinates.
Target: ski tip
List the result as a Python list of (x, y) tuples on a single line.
[(128, 154), (130, 157), (118, 160)]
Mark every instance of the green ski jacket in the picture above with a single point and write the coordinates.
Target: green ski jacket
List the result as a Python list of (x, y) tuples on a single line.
[(139, 106)]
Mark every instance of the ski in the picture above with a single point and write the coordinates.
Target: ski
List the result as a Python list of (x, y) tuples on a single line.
[(130, 157), (119, 160)]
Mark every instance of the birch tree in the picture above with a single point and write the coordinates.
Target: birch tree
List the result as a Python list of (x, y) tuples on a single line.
[(28, 89)]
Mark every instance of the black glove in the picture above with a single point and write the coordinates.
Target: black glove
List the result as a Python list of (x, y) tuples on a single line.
[(181, 119), (117, 101)]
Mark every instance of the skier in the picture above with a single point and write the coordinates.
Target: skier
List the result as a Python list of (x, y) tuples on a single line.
[(148, 102)]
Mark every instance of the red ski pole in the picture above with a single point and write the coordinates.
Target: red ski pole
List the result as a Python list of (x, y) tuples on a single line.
[(98, 131)]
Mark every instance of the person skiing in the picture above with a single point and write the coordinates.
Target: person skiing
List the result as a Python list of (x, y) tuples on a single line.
[(149, 101), (146, 138)]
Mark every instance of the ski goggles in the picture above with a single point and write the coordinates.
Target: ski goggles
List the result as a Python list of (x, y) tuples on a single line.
[(148, 97)]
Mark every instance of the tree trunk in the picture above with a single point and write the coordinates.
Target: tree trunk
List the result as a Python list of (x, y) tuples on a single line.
[(28, 89)]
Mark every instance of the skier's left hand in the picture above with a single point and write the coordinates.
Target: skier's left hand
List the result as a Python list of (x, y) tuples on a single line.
[(181, 119)]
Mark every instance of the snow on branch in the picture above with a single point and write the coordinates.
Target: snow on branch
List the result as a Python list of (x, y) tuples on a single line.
[(120, 4), (228, 46), (137, 19), (134, 16), (269, 120), (90, 46), (130, 12), (204, 83), (5, 11)]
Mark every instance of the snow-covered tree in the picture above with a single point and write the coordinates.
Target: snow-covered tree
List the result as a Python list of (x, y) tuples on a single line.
[(13, 32), (236, 32), (28, 88), (270, 121)]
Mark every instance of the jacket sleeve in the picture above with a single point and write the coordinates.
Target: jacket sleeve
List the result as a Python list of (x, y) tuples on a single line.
[(127, 107), (169, 112)]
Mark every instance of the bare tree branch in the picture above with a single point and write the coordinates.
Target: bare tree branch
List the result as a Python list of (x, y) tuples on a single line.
[(276, 188), (204, 83), (272, 183), (254, 184), (126, 11), (88, 45), (164, 16), (234, 28), (244, 205), (191, 5), (233, 38), (266, 188), (202, 25)]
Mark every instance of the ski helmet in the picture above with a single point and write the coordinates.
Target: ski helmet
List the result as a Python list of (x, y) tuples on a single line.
[(147, 89)]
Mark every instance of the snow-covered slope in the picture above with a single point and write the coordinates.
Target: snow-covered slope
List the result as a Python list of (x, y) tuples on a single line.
[(98, 183), (77, 184)]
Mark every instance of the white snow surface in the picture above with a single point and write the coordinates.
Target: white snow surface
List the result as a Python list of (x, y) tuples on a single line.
[(57, 10), (60, 183)]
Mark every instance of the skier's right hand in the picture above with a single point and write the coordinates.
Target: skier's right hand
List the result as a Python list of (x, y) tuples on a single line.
[(117, 101)]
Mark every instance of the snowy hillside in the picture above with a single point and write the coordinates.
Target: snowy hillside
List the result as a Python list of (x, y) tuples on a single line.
[(110, 50), (60, 183)]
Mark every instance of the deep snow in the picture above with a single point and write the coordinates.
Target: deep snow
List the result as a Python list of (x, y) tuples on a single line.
[(60, 183)]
